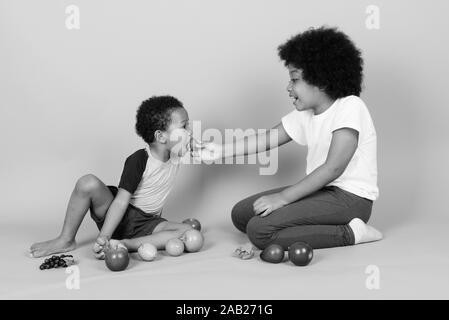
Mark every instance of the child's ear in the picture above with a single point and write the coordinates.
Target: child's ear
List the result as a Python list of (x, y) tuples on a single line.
[(321, 89), (160, 136)]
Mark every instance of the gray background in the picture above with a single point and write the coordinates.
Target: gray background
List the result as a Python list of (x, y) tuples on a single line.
[(68, 101)]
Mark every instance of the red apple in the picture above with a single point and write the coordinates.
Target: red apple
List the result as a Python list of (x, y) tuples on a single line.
[(193, 240), (195, 224), (116, 257)]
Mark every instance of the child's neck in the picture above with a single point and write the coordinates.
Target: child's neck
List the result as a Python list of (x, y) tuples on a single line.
[(159, 152), (324, 104)]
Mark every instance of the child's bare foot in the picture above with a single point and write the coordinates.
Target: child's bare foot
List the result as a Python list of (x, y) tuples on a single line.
[(58, 245), (363, 232)]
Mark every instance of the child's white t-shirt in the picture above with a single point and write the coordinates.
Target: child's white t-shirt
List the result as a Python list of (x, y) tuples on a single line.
[(315, 131), (148, 179)]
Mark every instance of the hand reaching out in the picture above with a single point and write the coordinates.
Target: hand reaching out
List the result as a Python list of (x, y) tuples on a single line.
[(206, 151)]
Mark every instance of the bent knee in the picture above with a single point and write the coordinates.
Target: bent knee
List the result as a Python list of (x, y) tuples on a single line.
[(259, 232), (239, 215), (87, 184), (235, 213)]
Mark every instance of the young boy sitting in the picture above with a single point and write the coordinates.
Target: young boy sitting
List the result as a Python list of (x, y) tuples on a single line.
[(132, 212)]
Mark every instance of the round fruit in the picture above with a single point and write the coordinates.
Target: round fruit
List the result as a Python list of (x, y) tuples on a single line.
[(147, 251), (300, 253), (193, 240), (195, 224), (117, 258), (174, 247), (274, 253)]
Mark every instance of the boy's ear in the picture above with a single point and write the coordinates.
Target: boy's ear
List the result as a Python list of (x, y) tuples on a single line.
[(160, 136)]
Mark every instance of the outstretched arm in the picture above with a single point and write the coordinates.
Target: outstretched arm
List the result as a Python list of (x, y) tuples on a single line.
[(343, 145), (256, 143)]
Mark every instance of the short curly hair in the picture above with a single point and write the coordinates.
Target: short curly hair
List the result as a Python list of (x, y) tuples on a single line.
[(155, 114), (328, 59)]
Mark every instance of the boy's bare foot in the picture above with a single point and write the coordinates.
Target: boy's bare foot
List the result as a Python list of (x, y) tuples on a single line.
[(58, 245)]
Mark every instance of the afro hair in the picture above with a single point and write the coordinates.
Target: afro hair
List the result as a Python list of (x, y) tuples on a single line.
[(155, 114), (328, 59)]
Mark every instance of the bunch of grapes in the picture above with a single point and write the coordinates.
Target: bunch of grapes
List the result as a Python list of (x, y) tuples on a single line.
[(56, 262)]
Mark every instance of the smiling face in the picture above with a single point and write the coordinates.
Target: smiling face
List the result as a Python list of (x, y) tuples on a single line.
[(304, 95), (178, 132)]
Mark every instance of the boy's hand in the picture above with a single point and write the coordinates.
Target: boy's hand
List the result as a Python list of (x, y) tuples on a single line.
[(267, 204), (206, 151), (99, 246)]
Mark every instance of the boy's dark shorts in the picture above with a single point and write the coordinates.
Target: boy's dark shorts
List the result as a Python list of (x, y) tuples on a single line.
[(135, 223)]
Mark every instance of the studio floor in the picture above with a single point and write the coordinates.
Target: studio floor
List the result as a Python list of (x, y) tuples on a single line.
[(412, 263)]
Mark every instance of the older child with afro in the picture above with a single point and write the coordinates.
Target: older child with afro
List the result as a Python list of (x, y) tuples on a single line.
[(332, 204)]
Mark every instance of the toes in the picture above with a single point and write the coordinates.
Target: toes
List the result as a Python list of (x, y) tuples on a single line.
[(37, 254)]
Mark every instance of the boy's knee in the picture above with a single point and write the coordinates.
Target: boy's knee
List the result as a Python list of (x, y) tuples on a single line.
[(259, 232), (237, 216), (87, 183)]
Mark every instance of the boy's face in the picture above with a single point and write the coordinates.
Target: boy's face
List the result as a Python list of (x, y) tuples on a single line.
[(178, 132), (304, 95)]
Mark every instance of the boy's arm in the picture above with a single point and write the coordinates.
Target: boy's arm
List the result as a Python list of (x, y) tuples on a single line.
[(115, 213), (343, 145), (260, 142), (256, 143)]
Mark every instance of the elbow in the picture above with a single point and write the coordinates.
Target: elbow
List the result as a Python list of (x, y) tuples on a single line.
[(120, 204), (335, 171)]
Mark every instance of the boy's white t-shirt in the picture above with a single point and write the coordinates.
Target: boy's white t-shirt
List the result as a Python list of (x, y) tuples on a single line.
[(149, 180), (315, 131)]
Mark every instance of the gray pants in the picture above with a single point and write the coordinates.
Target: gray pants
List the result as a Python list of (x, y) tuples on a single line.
[(320, 219)]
